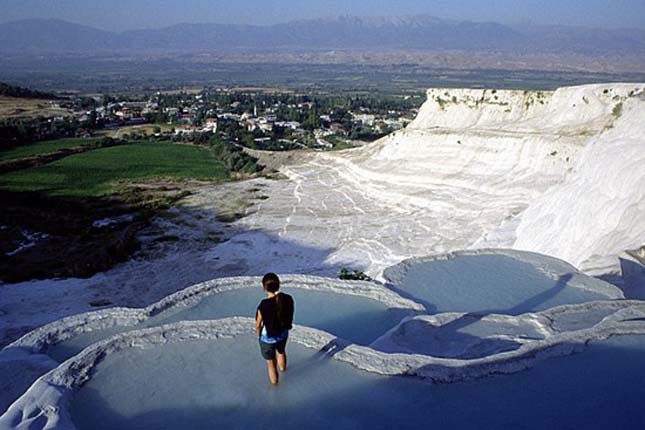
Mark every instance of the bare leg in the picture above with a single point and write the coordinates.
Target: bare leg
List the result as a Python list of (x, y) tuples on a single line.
[(273, 372), (282, 361)]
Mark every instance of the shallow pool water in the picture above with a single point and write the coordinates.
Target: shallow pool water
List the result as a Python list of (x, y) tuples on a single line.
[(489, 283), (223, 384), (354, 318), (571, 321)]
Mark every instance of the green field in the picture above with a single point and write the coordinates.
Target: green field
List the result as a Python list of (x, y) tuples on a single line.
[(96, 172), (339, 142), (42, 148)]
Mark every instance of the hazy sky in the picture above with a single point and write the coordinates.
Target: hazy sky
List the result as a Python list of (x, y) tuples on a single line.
[(129, 14)]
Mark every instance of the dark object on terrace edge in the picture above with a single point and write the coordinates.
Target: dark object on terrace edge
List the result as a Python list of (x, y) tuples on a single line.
[(353, 275)]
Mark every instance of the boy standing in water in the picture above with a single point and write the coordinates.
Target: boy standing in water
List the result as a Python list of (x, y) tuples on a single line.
[(273, 320)]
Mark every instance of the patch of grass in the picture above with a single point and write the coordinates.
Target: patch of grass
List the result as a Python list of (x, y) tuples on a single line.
[(98, 172), (229, 217), (100, 303), (618, 110), (167, 238), (586, 133), (42, 148), (215, 237), (148, 129), (339, 142), (12, 107)]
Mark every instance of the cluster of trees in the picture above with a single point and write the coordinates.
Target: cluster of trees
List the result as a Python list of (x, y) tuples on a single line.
[(276, 140), (233, 157), (16, 132), (367, 133), (240, 102), (25, 93)]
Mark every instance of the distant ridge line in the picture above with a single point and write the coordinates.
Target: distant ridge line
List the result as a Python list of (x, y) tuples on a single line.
[(421, 32)]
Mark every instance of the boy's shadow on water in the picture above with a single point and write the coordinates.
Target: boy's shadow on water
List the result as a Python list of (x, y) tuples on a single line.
[(493, 270), (300, 367), (531, 304), (453, 332)]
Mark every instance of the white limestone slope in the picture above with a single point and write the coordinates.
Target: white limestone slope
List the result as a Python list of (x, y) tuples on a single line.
[(598, 211), (475, 159)]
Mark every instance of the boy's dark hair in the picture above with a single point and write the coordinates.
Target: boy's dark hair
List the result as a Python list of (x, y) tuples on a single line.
[(271, 282)]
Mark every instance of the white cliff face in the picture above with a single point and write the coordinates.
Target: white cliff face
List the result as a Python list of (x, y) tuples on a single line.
[(569, 111), (491, 139), (597, 212), (570, 161)]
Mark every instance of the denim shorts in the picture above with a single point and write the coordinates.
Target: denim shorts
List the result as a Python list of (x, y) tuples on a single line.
[(268, 350)]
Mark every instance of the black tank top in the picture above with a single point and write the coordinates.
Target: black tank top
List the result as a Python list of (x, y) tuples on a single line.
[(269, 310)]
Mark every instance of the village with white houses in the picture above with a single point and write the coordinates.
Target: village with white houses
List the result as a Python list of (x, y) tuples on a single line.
[(258, 119)]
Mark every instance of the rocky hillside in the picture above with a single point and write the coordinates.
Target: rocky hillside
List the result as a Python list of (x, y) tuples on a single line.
[(563, 166), (347, 32)]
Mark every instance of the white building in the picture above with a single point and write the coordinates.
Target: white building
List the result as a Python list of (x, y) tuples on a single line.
[(365, 119), (293, 125)]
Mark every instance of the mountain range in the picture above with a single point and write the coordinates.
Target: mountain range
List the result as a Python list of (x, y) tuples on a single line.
[(383, 33)]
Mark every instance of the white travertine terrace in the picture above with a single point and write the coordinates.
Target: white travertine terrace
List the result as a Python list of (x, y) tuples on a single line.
[(557, 331), (550, 267), (31, 356), (472, 335), (38, 340), (46, 404), (632, 268), (559, 173)]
